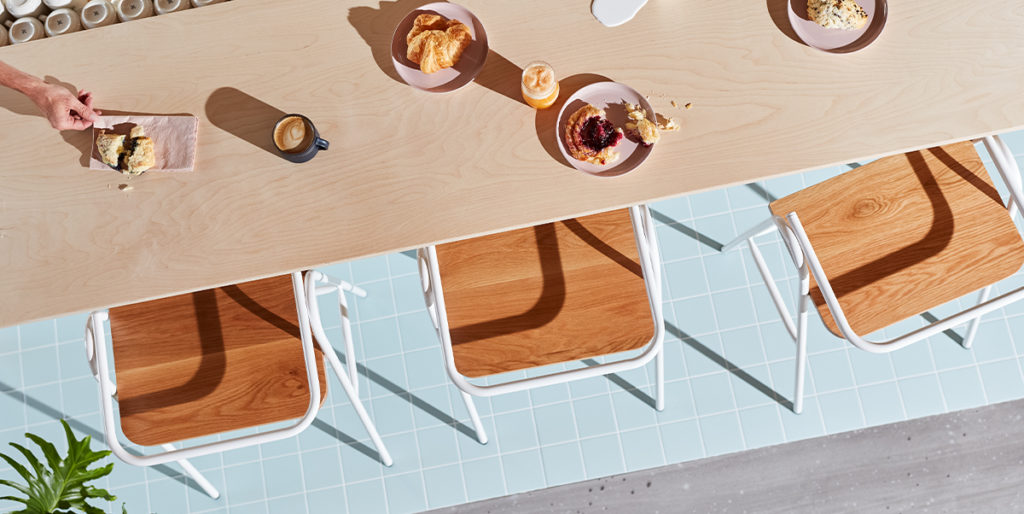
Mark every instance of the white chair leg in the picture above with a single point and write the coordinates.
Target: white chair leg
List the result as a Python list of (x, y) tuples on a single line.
[(481, 435), (972, 328), (760, 229), (346, 333), (801, 355), (350, 391), (659, 380), (195, 474)]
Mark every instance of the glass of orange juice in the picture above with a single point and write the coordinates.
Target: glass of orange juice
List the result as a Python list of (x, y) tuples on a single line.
[(540, 89)]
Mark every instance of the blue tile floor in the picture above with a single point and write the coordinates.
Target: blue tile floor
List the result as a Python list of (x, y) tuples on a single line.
[(727, 355)]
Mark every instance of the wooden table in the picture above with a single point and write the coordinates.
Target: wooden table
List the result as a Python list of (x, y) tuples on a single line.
[(407, 168)]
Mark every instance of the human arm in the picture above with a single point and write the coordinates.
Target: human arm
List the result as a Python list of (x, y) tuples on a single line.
[(63, 109)]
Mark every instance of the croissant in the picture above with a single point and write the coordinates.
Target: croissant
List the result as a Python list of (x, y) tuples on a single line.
[(436, 43)]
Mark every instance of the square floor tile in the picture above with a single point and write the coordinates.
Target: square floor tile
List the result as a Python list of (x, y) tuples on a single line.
[(712, 393), (405, 493), (366, 496), (634, 409), (743, 346), (642, 448), (602, 456), (563, 463), (805, 425), (882, 403), (722, 433), (438, 446), (761, 426), (733, 309), (962, 388), (594, 416), (685, 278), (555, 423), (922, 396), (484, 478), (524, 471), (841, 411), (831, 371), (444, 486), (1002, 380), (682, 441), (326, 500)]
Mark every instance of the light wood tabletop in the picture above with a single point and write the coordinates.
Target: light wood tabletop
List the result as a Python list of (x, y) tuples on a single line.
[(408, 168)]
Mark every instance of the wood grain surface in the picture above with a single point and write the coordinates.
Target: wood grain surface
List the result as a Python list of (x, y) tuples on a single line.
[(906, 233), (408, 168), (211, 361), (557, 292)]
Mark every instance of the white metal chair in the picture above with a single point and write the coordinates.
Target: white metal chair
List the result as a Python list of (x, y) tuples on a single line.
[(555, 293), (219, 360), (894, 238)]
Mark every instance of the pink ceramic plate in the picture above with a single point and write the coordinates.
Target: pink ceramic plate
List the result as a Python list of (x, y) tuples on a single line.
[(836, 40), (611, 97), (448, 79)]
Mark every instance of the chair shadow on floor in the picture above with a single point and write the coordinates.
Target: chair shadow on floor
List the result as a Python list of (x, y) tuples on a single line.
[(82, 428), (728, 365), (400, 392)]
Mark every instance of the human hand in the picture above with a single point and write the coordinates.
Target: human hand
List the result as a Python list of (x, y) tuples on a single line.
[(63, 109)]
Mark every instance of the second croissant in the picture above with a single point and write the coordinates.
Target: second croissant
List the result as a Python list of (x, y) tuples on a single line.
[(436, 42)]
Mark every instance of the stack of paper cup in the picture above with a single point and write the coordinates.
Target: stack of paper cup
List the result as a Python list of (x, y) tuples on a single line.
[(75, 5), (98, 13), (169, 6), (3, 36), (4, 15), (62, 21), (25, 30), (129, 10), (200, 3), (26, 8)]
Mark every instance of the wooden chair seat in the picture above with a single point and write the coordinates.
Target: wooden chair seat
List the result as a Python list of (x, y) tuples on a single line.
[(553, 293), (211, 361), (906, 233)]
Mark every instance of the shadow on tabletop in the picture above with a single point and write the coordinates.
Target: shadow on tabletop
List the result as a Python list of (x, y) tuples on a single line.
[(377, 26), (244, 117), (779, 11)]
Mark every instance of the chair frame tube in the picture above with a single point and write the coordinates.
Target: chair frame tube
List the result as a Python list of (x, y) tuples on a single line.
[(96, 334), (650, 262), (806, 260)]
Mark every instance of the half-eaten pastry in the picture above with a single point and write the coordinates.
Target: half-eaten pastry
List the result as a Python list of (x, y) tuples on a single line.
[(590, 137), (130, 155)]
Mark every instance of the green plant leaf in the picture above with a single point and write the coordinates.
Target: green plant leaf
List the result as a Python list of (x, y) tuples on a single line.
[(62, 485)]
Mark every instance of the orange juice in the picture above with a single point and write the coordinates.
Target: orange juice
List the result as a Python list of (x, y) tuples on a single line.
[(540, 89)]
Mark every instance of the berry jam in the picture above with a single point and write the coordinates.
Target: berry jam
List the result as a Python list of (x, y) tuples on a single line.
[(598, 133)]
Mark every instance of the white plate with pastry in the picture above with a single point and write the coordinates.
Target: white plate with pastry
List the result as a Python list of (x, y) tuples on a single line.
[(439, 47), (136, 144), (606, 129), (838, 26)]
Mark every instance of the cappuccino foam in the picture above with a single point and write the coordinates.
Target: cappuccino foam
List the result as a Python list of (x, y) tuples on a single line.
[(293, 135)]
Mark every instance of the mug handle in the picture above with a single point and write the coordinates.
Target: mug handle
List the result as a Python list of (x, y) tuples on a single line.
[(322, 144)]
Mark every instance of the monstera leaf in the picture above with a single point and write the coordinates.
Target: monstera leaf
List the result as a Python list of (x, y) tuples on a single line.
[(62, 485)]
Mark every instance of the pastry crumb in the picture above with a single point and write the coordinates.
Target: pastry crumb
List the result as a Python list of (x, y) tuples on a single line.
[(674, 104), (689, 105), (125, 187)]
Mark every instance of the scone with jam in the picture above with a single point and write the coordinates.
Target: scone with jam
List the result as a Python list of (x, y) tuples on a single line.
[(837, 14), (131, 155)]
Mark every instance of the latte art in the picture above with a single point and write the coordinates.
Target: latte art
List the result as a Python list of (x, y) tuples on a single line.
[(293, 135)]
